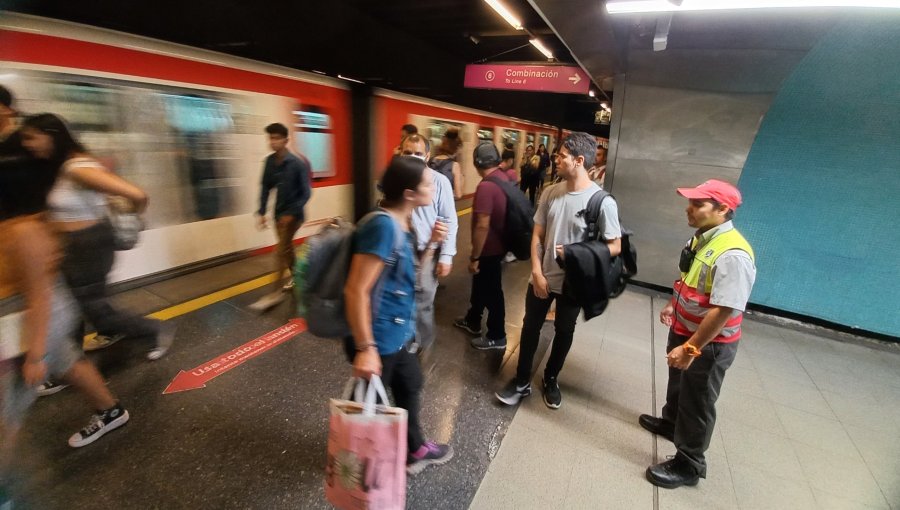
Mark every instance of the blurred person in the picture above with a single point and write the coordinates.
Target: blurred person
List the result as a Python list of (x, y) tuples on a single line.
[(405, 130), (78, 212), (529, 174), (8, 114), (597, 172), (444, 160), (559, 221), (290, 175), (508, 162), (435, 257), (488, 250), (718, 270), (39, 316), (381, 340)]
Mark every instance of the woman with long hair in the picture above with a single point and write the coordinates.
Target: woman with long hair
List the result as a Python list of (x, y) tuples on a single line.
[(78, 212), (383, 334), (444, 160)]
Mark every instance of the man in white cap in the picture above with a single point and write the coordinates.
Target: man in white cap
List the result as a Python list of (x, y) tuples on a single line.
[(717, 274)]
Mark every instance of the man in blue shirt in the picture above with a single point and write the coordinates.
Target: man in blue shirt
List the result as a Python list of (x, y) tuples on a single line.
[(435, 259), (289, 174)]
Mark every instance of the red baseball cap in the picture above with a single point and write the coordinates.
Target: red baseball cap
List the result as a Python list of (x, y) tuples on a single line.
[(714, 189)]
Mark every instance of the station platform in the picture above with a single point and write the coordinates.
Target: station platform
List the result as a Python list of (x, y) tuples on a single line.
[(805, 421)]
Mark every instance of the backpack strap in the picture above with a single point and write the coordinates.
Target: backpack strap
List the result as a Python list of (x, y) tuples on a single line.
[(592, 214), (393, 260)]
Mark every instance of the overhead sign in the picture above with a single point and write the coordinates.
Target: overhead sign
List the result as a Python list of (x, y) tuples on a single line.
[(197, 377), (561, 79)]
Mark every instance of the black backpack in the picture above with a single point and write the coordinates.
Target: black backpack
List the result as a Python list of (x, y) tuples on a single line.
[(625, 264), (443, 167), (519, 220)]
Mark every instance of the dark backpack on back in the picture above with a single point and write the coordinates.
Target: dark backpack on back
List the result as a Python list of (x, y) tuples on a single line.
[(625, 264), (443, 167), (519, 220), (321, 274)]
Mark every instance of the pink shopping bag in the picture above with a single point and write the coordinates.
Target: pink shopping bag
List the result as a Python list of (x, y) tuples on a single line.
[(366, 465)]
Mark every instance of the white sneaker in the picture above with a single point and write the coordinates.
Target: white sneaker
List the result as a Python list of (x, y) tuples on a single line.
[(164, 340), (289, 286), (266, 302), (509, 258)]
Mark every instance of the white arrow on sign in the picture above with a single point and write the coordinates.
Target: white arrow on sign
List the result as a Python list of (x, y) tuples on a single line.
[(575, 79)]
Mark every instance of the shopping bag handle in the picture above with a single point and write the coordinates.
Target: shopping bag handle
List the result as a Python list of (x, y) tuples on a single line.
[(355, 390)]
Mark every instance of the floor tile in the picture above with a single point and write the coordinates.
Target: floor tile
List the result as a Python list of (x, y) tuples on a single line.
[(763, 450), (814, 430), (601, 481), (786, 391), (749, 410), (845, 477), (760, 490)]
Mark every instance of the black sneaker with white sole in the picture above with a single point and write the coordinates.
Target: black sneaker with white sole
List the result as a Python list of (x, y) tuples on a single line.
[(512, 393), (464, 325), (552, 395), (50, 387), (101, 423), (485, 344)]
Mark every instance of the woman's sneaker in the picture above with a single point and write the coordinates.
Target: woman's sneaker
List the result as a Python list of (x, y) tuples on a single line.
[(101, 342), (101, 423), (552, 395), (512, 393), (164, 339), (50, 387), (464, 325), (428, 454)]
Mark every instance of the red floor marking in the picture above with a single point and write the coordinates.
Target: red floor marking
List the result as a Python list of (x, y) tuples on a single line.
[(200, 375)]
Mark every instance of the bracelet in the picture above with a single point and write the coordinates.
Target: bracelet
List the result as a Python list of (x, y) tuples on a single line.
[(691, 350), (474, 259), (365, 347)]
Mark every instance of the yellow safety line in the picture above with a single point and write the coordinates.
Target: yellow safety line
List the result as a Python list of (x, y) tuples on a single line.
[(221, 295)]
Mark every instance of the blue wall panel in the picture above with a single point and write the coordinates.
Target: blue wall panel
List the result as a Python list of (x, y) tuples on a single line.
[(822, 182)]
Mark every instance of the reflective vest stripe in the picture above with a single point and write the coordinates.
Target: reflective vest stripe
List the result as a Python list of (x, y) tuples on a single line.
[(694, 289)]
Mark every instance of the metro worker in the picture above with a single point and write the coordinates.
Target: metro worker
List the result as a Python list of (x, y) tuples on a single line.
[(382, 337), (435, 257), (717, 274), (290, 175)]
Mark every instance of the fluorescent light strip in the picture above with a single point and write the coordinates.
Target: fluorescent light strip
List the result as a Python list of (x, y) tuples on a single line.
[(505, 14), (543, 49), (638, 6), (349, 79)]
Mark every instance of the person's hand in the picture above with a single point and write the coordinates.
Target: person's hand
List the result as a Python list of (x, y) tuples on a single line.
[(443, 269), (679, 359), (667, 315), (439, 232), (261, 222), (560, 252), (541, 286), (34, 371), (367, 363), (473, 267)]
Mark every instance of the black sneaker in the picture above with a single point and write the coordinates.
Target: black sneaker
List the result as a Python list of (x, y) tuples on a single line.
[(101, 423), (49, 387), (430, 453), (552, 395), (484, 344), (463, 324), (512, 393)]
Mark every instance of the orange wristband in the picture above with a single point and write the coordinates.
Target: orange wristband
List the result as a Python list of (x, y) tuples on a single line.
[(691, 350)]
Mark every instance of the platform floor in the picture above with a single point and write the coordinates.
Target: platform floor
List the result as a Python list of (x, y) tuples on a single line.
[(804, 421)]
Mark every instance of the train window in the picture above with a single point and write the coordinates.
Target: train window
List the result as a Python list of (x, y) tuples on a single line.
[(486, 134), (194, 114), (529, 139), (545, 140), (435, 129), (510, 136), (86, 106), (313, 138)]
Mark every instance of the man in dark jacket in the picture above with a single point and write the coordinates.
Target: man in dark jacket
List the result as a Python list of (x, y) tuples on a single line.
[(559, 221), (289, 174)]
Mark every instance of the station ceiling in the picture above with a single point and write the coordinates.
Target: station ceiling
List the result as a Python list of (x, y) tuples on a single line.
[(420, 47)]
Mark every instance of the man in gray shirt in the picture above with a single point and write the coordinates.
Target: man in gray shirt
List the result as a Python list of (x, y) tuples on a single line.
[(435, 259), (559, 221)]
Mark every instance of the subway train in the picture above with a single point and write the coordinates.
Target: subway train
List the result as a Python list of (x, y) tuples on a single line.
[(186, 125)]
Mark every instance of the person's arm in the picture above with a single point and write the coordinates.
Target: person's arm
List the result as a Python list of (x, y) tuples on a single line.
[(479, 237), (610, 228), (265, 186), (447, 209), (709, 327), (303, 181), (30, 248), (541, 286), (365, 268), (98, 179), (457, 181)]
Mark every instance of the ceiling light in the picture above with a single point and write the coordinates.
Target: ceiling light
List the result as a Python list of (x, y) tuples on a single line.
[(591, 93), (504, 12), (637, 6), (349, 79), (543, 49)]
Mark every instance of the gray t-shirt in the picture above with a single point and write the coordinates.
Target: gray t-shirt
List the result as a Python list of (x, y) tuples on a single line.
[(558, 212)]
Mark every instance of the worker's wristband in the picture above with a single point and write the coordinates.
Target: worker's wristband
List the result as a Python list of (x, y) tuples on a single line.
[(691, 350)]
